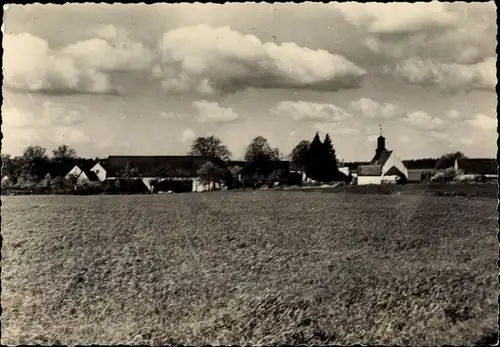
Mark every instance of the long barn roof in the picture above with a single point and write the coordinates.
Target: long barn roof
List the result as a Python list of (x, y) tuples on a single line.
[(478, 166), (153, 166)]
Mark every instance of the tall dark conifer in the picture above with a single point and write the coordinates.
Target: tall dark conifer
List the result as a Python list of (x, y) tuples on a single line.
[(314, 159), (330, 169)]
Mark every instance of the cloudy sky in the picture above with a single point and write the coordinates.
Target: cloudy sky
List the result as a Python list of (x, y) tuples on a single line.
[(137, 79)]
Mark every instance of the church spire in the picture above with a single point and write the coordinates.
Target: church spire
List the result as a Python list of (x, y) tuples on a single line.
[(380, 126)]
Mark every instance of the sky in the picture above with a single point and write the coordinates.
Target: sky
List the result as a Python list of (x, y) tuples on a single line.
[(141, 79)]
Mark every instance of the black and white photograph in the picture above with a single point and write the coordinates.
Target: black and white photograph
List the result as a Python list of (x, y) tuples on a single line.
[(249, 174)]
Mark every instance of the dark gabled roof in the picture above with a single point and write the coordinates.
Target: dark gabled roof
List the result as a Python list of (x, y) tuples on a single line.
[(478, 166), (420, 164), (91, 175), (369, 170), (153, 166), (85, 164), (354, 165), (381, 158), (266, 167), (240, 163)]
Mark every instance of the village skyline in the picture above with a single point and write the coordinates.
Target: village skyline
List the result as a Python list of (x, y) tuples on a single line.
[(148, 80)]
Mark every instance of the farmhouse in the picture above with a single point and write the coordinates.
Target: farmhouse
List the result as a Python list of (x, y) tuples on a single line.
[(158, 173), (385, 167), (478, 168), (420, 170), (82, 172)]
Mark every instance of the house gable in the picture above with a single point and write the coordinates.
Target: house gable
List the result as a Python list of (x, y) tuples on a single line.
[(394, 166), (99, 171), (75, 172)]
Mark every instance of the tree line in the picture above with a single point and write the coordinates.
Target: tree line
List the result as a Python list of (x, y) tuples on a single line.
[(34, 164), (316, 158)]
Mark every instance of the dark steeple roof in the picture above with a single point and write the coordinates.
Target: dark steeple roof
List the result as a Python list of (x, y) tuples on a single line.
[(381, 157)]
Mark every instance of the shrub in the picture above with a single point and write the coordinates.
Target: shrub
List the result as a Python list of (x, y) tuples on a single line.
[(88, 187)]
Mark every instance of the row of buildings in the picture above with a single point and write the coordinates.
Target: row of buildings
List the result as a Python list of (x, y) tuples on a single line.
[(181, 172), (164, 173)]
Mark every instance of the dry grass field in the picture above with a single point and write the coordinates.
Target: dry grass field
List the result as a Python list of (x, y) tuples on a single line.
[(249, 268)]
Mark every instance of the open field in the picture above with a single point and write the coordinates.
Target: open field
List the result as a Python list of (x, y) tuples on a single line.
[(249, 268)]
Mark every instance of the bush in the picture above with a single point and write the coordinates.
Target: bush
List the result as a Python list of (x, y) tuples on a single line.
[(88, 187)]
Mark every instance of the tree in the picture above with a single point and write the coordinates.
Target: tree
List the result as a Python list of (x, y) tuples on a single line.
[(63, 152), (448, 160), (210, 173), (35, 163), (330, 169), (259, 150), (314, 159), (210, 147), (63, 158), (7, 169), (34, 152), (299, 154), (128, 172)]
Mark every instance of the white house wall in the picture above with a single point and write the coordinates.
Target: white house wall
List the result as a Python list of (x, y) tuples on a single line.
[(147, 182), (344, 170), (396, 162), (75, 172), (99, 171), (83, 177), (203, 187), (364, 180), (390, 179)]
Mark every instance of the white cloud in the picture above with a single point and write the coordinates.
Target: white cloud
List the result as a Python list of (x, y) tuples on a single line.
[(310, 111), (449, 76), (484, 122), (212, 112), (335, 130), (30, 65), (422, 120), (210, 59), (188, 135), (400, 18), (466, 141), (439, 135), (454, 115), (436, 32), (372, 109), (371, 138), (111, 50), (403, 139), (53, 125)]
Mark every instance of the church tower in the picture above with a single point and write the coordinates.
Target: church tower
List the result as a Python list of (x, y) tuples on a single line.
[(380, 143), (380, 146)]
